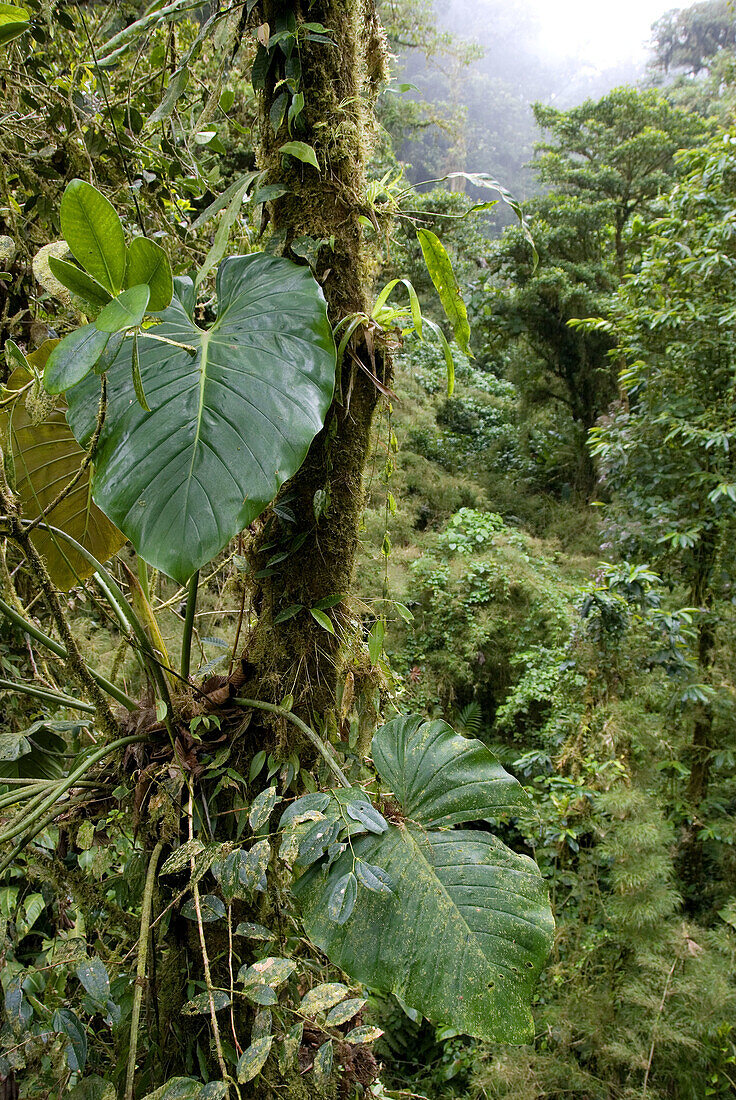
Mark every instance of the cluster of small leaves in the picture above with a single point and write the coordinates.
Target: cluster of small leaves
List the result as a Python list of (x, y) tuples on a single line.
[(319, 827), (126, 282), (279, 56)]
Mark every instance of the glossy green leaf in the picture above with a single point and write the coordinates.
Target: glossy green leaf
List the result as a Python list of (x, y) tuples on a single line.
[(228, 424), (324, 620), (126, 311), (73, 358), (148, 263), (13, 22), (46, 457), (442, 275), (440, 778), (301, 151), (79, 282), (467, 928), (92, 229), (222, 235)]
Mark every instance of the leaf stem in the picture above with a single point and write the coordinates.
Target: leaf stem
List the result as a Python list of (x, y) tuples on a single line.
[(316, 740), (186, 642), (37, 827), (69, 781), (28, 628), (48, 696), (140, 974), (205, 957)]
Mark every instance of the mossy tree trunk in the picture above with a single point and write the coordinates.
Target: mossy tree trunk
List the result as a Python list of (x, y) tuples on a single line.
[(339, 84)]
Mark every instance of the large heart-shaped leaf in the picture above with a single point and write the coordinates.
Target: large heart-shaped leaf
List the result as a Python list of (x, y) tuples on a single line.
[(46, 457), (231, 419), (467, 926)]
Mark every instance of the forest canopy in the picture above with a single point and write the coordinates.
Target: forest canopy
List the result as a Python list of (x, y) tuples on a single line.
[(366, 508)]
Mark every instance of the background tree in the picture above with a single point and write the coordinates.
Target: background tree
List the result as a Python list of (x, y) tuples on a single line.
[(691, 38), (605, 163), (668, 457)]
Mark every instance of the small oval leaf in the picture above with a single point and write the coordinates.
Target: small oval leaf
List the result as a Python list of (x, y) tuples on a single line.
[(200, 1005), (252, 1060), (322, 998), (342, 898), (211, 908), (344, 1011), (73, 358), (262, 807), (126, 311), (365, 1034)]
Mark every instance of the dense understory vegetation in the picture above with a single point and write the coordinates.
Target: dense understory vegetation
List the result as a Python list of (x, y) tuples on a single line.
[(433, 577)]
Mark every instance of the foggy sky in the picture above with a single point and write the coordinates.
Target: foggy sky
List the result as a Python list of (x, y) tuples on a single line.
[(601, 32)]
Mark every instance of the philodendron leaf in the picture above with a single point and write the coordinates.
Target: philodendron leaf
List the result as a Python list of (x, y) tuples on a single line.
[(231, 419), (467, 927), (126, 311), (92, 229), (46, 457), (148, 263)]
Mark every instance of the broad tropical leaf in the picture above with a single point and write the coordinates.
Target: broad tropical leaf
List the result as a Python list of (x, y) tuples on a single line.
[(126, 311), (79, 282), (46, 457), (230, 420), (467, 927)]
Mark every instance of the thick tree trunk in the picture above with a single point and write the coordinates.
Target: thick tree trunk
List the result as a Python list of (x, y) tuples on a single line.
[(325, 499)]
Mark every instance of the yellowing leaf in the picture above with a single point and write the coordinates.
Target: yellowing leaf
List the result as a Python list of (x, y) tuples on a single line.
[(46, 457)]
